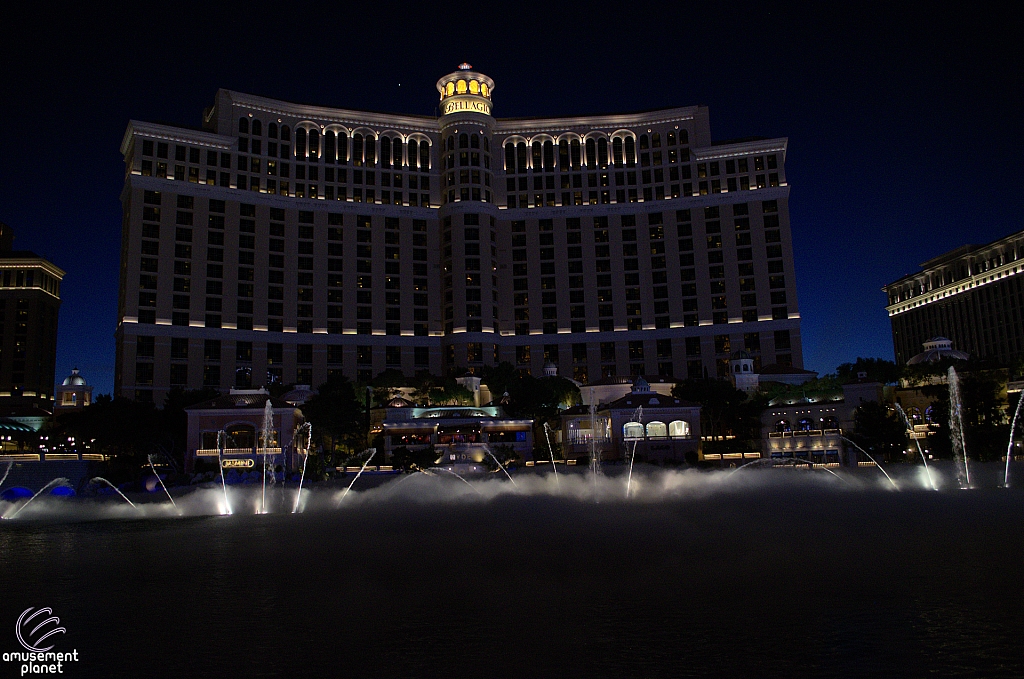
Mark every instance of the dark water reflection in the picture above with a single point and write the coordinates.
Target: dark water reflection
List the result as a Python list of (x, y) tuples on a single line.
[(780, 581)]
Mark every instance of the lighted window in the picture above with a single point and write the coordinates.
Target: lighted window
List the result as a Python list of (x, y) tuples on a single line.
[(679, 429), (633, 430), (449, 89), (460, 87), (474, 87), (484, 90), (657, 429)]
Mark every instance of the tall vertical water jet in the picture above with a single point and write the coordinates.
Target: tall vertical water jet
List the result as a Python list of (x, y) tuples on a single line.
[(595, 463), (161, 482), (551, 452), (956, 429), (639, 413), (910, 427), (222, 441), (1009, 446), (265, 437)]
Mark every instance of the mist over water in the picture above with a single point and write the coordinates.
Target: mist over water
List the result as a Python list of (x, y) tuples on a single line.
[(763, 572)]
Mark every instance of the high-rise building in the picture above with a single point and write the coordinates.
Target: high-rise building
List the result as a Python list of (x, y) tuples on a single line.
[(284, 242), (972, 295), (29, 304)]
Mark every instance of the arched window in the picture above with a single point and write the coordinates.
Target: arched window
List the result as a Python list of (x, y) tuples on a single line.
[(591, 154), (914, 413), (563, 155), (396, 152), (424, 156), (928, 413), (257, 128), (805, 424), (656, 429), (510, 158), (602, 152), (300, 143), (314, 144), (474, 87), (521, 157), (463, 141), (782, 426), (487, 144), (342, 148), (549, 156), (630, 152), (451, 143), (385, 151), (357, 150), (449, 89), (671, 138), (830, 422), (633, 430), (371, 151), (243, 126), (474, 141), (538, 152), (460, 87), (272, 130), (574, 154), (286, 134), (684, 137), (413, 147), (655, 140), (643, 142), (617, 151), (330, 152), (679, 429)]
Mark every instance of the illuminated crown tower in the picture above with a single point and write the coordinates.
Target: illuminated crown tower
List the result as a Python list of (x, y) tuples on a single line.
[(468, 212)]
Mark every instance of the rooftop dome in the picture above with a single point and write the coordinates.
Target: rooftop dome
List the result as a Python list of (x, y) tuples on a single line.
[(74, 379), (936, 349), (299, 395), (641, 386)]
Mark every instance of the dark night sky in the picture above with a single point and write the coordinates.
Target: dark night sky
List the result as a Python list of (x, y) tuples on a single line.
[(903, 126)]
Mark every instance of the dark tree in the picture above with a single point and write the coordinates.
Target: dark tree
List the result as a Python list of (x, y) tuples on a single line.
[(721, 404), (877, 369), (879, 429), (336, 414)]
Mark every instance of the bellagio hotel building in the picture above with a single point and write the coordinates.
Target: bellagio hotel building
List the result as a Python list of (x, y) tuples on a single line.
[(284, 242)]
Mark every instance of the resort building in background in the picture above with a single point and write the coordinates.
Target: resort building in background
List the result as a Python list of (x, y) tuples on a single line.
[(285, 242), (29, 305), (972, 297)]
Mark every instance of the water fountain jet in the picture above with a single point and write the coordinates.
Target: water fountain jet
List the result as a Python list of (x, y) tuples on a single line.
[(309, 441), (55, 482), (361, 470), (956, 429), (924, 460), (116, 490), (149, 458), (551, 452)]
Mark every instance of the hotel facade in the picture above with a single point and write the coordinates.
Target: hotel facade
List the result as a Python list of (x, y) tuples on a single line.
[(286, 242), (972, 295)]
